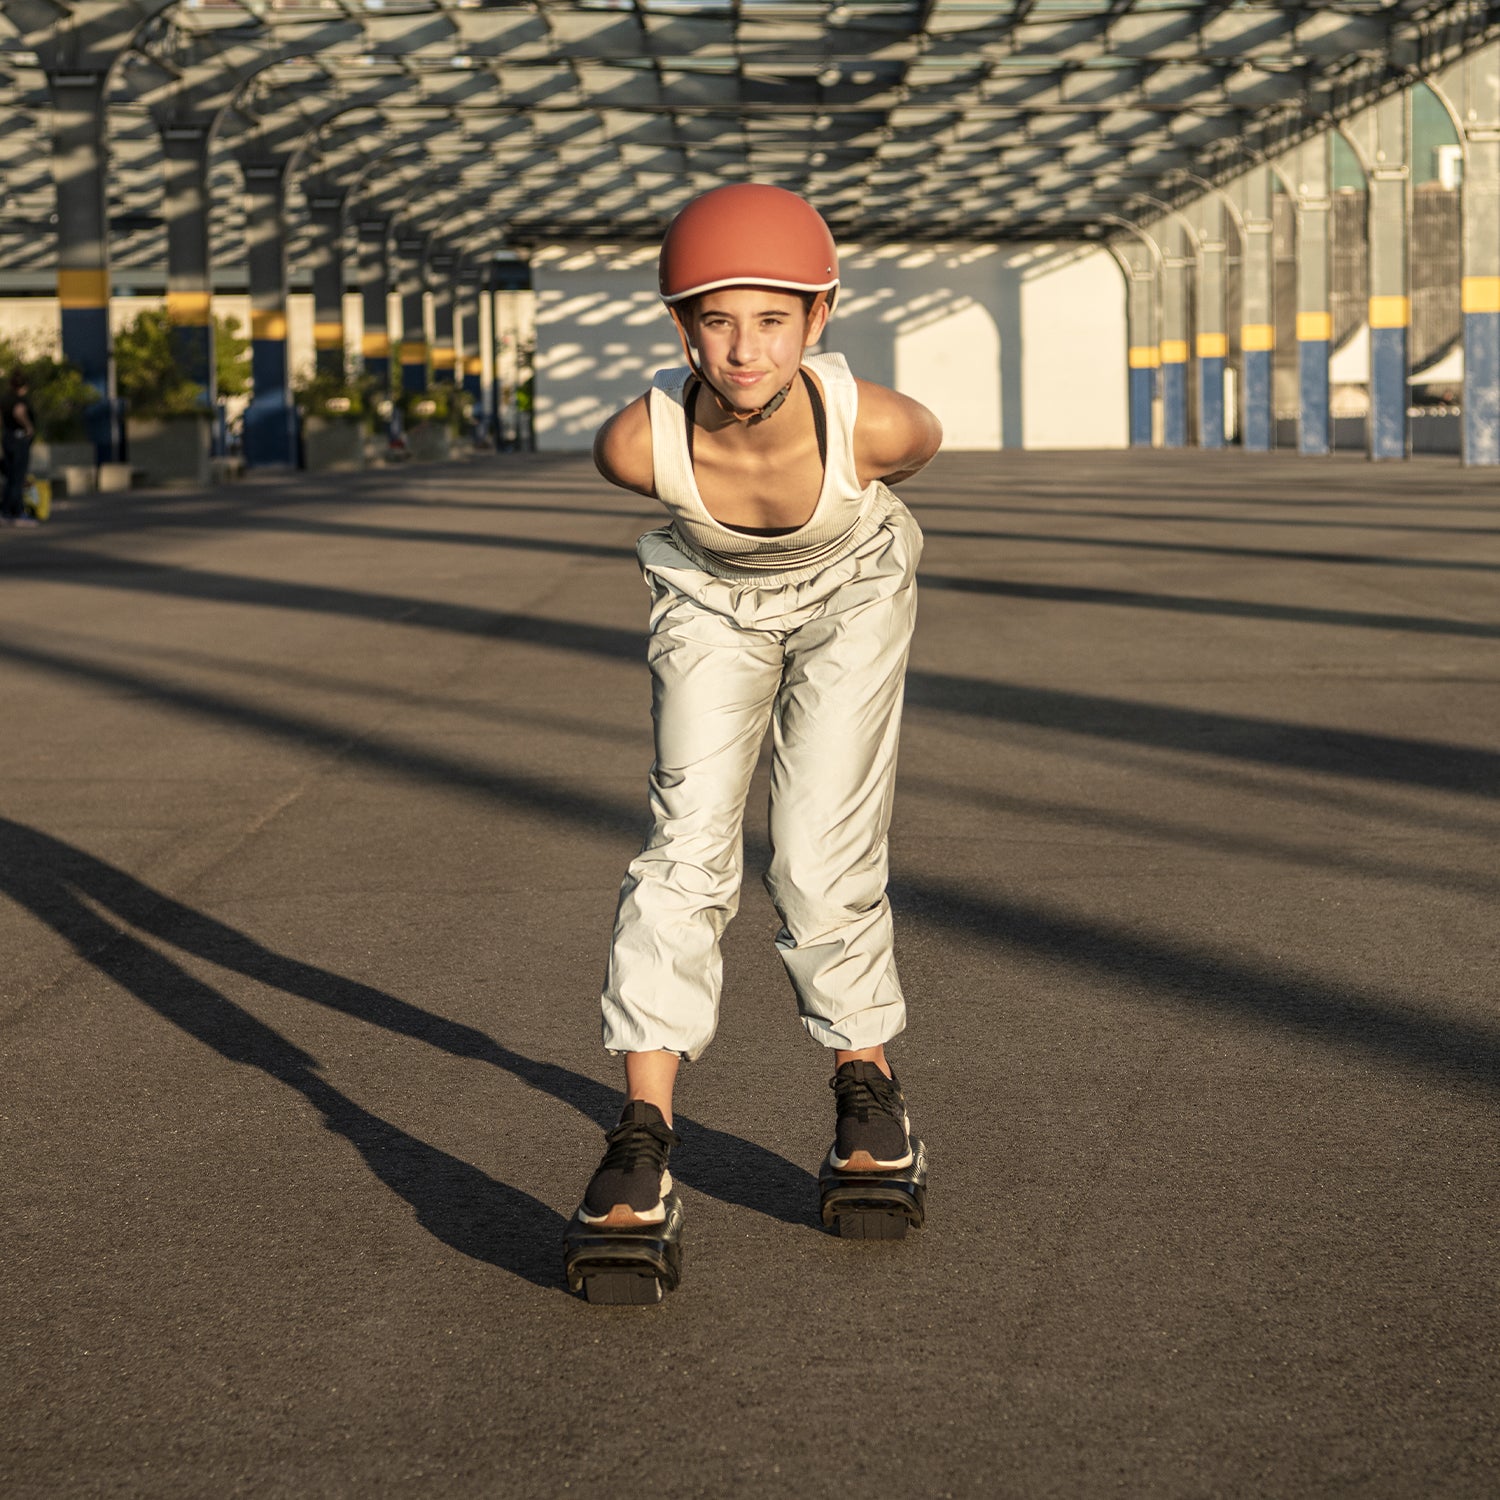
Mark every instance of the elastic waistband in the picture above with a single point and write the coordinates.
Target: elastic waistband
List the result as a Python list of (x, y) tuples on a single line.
[(862, 530)]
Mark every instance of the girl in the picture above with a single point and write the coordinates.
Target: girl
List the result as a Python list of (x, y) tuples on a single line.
[(782, 594)]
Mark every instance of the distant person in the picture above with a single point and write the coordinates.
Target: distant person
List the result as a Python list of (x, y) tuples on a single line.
[(18, 420), (782, 598)]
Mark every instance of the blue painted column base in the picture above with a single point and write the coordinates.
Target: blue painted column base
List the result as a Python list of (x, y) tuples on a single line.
[(193, 350), (1174, 402), (1259, 428), (270, 419), (1482, 388), (1313, 431), (1388, 393), (270, 433), (1142, 393), (85, 343), (1211, 401)]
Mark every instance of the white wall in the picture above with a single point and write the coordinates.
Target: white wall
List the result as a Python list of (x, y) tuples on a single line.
[(1011, 346), (1073, 357)]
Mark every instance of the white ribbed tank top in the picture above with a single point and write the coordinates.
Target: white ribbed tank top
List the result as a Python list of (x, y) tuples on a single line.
[(842, 502)]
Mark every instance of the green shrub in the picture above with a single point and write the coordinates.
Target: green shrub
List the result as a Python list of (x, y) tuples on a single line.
[(449, 405), (147, 374), (325, 395), (231, 358)]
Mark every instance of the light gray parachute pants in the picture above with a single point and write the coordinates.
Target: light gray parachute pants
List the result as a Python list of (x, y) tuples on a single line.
[(820, 655)]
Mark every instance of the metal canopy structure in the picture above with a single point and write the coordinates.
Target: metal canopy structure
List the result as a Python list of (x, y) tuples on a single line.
[(508, 123)]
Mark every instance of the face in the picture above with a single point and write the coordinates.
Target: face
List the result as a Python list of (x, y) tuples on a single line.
[(750, 340)]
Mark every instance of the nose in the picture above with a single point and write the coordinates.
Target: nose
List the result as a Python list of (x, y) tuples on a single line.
[(743, 346)]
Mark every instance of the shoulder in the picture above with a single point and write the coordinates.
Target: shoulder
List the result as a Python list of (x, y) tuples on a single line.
[(622, 449), (894, 436)]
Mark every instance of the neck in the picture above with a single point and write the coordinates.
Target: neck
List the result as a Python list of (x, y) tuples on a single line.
[(760, 414)]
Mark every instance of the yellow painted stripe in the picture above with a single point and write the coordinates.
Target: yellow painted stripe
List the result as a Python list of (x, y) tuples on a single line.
[(1314, 327), (375, 345), (413, 353), (1389, 312), (1256, 338), (1481, 294), (80, 289), (267, 325), (190, 309), (443, 359), (1174, 351), (473, 365), (1213, 345), (328, 335), (1144, 357)]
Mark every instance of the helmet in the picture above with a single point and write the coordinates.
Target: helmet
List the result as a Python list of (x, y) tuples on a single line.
[(747, 234)]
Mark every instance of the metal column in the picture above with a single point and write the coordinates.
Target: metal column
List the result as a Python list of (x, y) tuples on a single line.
[(79, 166), (1176, 266), (374, 291), (1474, 83), (1212, 345), (468, 335), (270, 419), (1138, 261), (414, 375), (326, 259), (1257, 310), (442, 269), (189, 263), (1390, 284), (1309, 170)]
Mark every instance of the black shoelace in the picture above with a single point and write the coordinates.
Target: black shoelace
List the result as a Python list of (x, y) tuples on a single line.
[(854, 1096), (630, 1147)]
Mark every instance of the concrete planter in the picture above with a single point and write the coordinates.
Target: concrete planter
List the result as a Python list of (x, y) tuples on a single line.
[(333, 443), (72, 467), (170, 450), (428, 442)]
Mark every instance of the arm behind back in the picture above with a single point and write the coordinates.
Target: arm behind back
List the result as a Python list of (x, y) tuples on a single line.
[(622, 449)]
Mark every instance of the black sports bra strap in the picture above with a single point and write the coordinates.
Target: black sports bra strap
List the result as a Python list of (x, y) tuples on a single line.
[(819, 414)]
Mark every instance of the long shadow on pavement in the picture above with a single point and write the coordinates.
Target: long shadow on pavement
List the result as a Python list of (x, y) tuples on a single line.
[(1357, 754), (1208, 549), (96, 570), (1188, 604), (459, 1204)]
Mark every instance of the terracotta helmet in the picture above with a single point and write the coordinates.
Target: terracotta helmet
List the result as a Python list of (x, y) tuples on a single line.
[(748, 234)]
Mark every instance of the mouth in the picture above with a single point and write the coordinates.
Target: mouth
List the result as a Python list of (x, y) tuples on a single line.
[(746, 378)]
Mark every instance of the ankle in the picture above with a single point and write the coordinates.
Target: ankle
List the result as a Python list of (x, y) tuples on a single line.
[(663, 1105), (875, 1055)]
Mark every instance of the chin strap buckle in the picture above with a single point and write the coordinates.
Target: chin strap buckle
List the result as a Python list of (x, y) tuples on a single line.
[(758, 415)]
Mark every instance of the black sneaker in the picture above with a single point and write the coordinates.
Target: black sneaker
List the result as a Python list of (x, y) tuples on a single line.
[(632, 1181), (873, 1131)]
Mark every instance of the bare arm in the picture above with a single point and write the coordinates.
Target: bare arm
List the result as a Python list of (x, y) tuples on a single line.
[(622, 449), (894, 436)]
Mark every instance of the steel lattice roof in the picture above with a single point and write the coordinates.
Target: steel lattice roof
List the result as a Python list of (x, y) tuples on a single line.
[(500, 124)]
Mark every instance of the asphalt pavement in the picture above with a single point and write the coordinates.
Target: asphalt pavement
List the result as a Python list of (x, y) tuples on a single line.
[(316, 795)]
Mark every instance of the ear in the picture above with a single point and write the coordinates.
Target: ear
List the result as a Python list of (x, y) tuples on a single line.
[(816, 323)]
